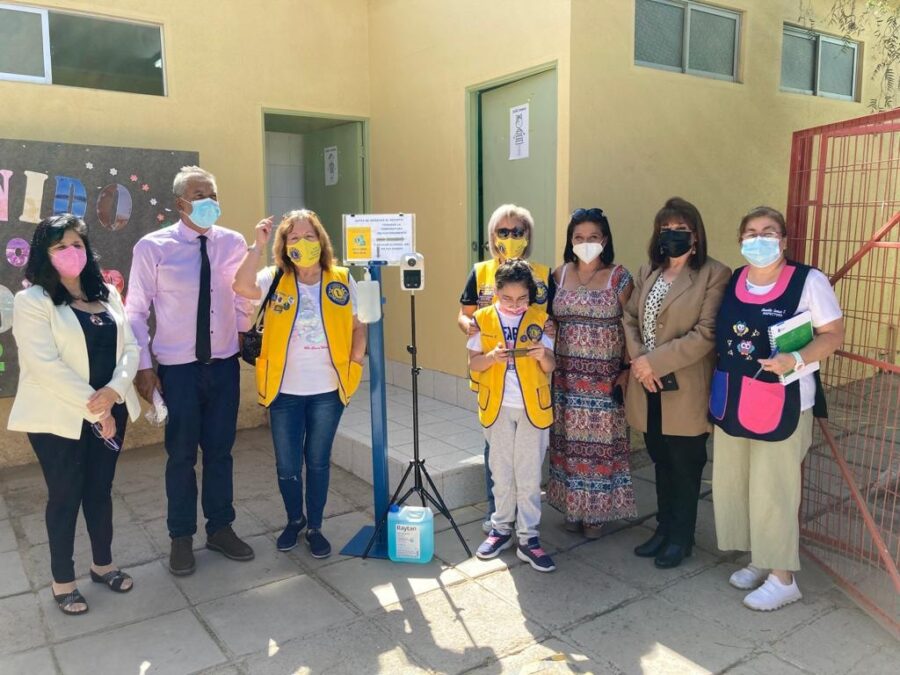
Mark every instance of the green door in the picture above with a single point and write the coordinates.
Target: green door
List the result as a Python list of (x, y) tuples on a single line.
[(507, 175), (346, 194)]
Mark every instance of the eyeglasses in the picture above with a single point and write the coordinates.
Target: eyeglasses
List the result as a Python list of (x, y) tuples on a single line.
[(593, 214), (506, 233), (110, 443), (763, 235)]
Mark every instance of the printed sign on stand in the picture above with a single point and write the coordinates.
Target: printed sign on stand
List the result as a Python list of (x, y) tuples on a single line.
[(380, 236)]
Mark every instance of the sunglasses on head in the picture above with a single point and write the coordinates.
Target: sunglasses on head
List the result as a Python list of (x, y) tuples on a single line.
[(506, 233), (593, 214)]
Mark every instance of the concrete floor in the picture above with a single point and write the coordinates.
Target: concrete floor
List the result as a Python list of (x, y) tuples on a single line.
[(602, 611)]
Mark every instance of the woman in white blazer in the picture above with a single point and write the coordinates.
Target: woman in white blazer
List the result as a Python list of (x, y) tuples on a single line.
[(77, 360)]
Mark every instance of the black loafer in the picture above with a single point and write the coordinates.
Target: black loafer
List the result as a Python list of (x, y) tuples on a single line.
[(672, 555), (652, 546), (226, 542), (181, 559)]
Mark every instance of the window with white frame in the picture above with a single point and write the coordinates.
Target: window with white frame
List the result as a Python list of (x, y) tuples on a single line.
[(817, 64), (687, 36), (78, 50)]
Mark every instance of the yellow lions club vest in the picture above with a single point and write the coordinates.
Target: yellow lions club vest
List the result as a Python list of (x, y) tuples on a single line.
[(337, 319), (484, 282), (535, 383)]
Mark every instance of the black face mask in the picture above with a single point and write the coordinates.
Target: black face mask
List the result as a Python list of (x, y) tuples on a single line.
[(674, 243)]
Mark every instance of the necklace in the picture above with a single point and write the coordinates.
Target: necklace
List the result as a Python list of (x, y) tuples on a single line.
[(583, 284)]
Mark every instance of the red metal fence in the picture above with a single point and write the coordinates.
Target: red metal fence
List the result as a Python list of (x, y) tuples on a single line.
[(844, 217)]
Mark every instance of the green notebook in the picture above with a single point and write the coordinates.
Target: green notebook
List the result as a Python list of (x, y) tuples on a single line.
[(792, 335)]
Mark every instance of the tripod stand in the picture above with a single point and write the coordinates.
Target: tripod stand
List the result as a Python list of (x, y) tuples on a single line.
[(416, 464)]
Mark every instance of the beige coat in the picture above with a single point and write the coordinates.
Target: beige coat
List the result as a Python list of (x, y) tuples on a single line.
[(685, 345)]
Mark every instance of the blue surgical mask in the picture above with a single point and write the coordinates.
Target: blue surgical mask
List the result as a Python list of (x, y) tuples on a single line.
[(761, 251), (205, 212)]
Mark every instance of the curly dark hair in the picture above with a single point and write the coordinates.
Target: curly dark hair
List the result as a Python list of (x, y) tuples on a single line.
[(40, 271), (597, 217), (516, 271)]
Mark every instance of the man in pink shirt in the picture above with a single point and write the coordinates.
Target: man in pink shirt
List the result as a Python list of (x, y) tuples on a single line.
[(185, 272)]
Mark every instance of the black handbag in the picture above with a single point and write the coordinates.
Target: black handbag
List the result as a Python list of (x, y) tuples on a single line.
[(251, 345)]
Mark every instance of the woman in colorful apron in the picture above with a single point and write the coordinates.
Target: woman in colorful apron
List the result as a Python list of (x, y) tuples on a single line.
[(763, 428)]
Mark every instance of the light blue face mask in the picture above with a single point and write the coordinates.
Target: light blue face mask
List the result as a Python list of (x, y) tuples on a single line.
[(761, 251), (205, 212)]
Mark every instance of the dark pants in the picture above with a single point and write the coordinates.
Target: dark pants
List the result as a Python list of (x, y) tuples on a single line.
[(679, 462), (79, 474), (203, 404), (303, 429)]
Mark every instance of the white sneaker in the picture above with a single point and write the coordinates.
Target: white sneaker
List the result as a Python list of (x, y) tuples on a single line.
[(748, 578), (772, 595)]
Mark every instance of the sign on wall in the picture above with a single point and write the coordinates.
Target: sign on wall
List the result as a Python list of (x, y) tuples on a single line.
[(518, 132), (121, 193)]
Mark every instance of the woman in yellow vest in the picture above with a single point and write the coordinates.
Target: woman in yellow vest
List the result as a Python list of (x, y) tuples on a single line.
[(510, 232), (310, 363), (513, 359)]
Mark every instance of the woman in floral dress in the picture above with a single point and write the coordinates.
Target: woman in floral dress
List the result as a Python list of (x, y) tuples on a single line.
[(590, 476)]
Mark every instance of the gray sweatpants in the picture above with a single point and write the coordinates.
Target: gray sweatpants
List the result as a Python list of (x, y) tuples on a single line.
[(516, 458)]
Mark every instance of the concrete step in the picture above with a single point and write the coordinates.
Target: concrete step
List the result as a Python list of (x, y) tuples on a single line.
[(451, 441)]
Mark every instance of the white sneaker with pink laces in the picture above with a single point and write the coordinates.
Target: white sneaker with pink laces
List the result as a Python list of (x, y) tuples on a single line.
[(773, 594)]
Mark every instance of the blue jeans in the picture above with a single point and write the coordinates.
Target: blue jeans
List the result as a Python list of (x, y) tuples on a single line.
[(203, 406), (303, 429)]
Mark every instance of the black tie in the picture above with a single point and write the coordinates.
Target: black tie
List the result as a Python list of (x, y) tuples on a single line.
[(203, 348)]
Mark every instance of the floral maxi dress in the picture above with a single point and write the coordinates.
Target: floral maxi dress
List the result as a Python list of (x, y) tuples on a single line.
[(590, 476)]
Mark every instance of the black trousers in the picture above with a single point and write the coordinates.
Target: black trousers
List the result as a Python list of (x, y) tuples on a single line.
[(79, 475), (679, 462), (203, 404)]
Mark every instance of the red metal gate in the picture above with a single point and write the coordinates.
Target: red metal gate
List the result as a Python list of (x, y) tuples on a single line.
[(844, 217)]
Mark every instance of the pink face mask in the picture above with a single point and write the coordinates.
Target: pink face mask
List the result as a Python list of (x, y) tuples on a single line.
[(69, 262), (515, 311)]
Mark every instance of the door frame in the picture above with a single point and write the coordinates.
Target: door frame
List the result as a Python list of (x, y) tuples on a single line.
[(473, 148), (317, 115)]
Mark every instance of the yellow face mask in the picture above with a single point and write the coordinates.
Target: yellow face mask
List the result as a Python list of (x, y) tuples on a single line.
[(305, 253), (511, 248)]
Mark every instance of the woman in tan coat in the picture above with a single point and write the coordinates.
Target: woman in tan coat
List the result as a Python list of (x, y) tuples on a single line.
[(670, 336)]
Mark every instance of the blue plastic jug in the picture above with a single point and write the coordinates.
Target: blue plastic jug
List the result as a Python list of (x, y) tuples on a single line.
[(410, 534)]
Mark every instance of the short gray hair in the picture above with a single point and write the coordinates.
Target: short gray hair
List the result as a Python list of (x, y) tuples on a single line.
[(518, 215), (179, 185)]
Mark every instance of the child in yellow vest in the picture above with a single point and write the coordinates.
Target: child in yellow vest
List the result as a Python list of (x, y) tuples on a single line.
[(512, 359)]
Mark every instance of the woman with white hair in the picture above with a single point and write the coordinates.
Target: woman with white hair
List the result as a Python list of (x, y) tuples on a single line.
[(510, 233)]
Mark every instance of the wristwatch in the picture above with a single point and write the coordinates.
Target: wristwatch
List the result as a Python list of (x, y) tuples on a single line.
[(799, 363)]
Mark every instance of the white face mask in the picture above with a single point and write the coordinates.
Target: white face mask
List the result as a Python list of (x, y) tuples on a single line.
[(587, 252)]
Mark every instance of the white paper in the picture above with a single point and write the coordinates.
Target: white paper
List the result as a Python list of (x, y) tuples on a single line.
[(331, 165), (518, 132), (408, 539), (378, 236)]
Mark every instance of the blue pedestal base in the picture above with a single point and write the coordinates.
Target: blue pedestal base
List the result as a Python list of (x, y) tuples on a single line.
[(357, 545)]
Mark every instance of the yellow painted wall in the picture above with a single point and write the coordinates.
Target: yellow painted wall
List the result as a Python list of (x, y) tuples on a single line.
[(640, 135), (225, 60), (423, 57)]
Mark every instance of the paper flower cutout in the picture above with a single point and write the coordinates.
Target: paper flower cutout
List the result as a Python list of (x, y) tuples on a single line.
[(88, 165), (160, 217), (113, 172), (145, 187), (133, 178), (153, 202)]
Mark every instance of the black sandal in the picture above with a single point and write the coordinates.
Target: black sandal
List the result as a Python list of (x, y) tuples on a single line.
[(65, 601), (113, 580)]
